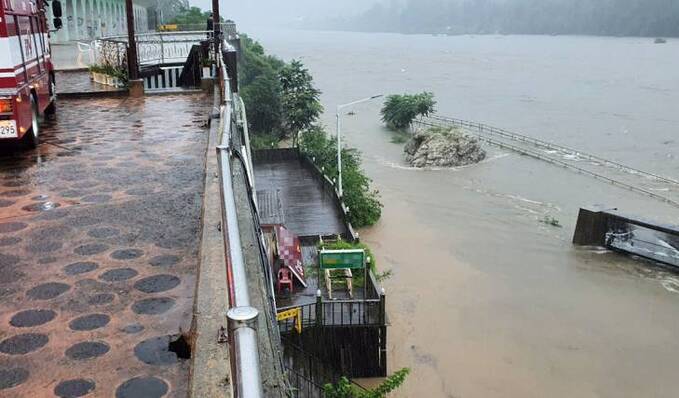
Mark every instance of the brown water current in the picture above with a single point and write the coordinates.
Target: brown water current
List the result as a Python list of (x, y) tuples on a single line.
[(485, 300)]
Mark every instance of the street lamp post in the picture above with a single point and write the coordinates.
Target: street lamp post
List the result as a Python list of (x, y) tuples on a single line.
[(339, 136)]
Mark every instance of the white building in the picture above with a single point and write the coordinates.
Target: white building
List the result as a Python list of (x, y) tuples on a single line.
[(85, 20)]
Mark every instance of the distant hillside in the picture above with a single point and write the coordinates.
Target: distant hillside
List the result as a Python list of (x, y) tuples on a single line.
[(651, 18)]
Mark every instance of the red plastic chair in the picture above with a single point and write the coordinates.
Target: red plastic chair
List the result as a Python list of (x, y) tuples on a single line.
[(285, 278)]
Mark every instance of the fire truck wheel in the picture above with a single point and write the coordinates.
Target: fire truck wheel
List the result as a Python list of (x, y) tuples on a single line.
[(51, 109), (33, 136)]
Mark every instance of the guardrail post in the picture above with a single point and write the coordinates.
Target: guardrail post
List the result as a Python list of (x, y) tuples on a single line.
[(242, 329), (162, 50), (383, 333), (383, 308)]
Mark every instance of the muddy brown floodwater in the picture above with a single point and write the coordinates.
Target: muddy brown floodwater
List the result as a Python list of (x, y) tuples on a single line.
[(98, 249), (485, 300)]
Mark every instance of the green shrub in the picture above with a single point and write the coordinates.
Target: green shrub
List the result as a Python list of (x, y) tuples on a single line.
[(365, 208), (110, 70), (264, 141), (345, 389)]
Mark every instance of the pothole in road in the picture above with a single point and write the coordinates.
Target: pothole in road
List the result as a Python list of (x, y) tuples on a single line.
[(47, 291), (30, 318), (181, 347), (142, 387), (89, 322), (23, 343), (163, 350), (157, 283), (87, 350)]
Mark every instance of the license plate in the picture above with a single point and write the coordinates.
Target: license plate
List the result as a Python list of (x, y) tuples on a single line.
[(8, 129)]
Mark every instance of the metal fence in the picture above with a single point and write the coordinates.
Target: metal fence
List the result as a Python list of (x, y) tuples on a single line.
[(337, 313), (246, 378), (152, 48), (486, 134)]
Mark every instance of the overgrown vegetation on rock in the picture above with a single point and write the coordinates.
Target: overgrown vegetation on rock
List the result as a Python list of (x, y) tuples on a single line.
[(399, 111), (443, 147)]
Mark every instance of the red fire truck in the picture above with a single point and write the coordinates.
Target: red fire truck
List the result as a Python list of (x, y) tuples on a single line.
[(27, 85)]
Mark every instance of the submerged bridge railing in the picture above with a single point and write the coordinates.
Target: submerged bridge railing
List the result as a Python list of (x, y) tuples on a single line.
[(550, 145), (627, 234), (503, 139)]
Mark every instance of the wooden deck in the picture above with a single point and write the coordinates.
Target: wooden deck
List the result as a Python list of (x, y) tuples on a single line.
[(289, 194)]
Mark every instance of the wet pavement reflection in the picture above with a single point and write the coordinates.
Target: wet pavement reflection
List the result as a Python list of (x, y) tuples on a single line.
[(99, 247)]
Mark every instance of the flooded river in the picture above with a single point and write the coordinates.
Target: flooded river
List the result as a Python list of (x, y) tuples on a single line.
[(485, 300)]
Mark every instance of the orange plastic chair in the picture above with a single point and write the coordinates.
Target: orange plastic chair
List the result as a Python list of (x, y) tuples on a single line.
[(285, 278)]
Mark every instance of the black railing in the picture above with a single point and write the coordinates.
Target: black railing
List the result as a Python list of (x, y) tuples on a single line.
[(308, 373), (337, 313)]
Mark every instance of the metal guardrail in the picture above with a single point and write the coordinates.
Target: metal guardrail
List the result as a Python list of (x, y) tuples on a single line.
[(549, 145), (440, 122), (242, 318), (155, 47)]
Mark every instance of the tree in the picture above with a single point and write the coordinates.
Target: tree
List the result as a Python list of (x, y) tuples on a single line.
[(399, 111), (260, 88), (263, 103), (345, 389), (191, 16), (300, 100)]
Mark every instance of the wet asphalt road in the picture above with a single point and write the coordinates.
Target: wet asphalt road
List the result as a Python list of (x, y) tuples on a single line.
[(99, 247)]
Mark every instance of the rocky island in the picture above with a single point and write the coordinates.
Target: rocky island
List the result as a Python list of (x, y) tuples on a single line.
[(443, 147)]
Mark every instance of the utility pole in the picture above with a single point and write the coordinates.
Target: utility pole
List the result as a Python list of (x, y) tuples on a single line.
[(132, 62), (339, 138), (216, 27)]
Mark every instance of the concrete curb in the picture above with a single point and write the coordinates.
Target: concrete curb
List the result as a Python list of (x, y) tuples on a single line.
[(93, 94), (210, 373)]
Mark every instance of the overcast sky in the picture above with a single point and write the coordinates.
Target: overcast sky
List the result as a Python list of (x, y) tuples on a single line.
[(282, 12)]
